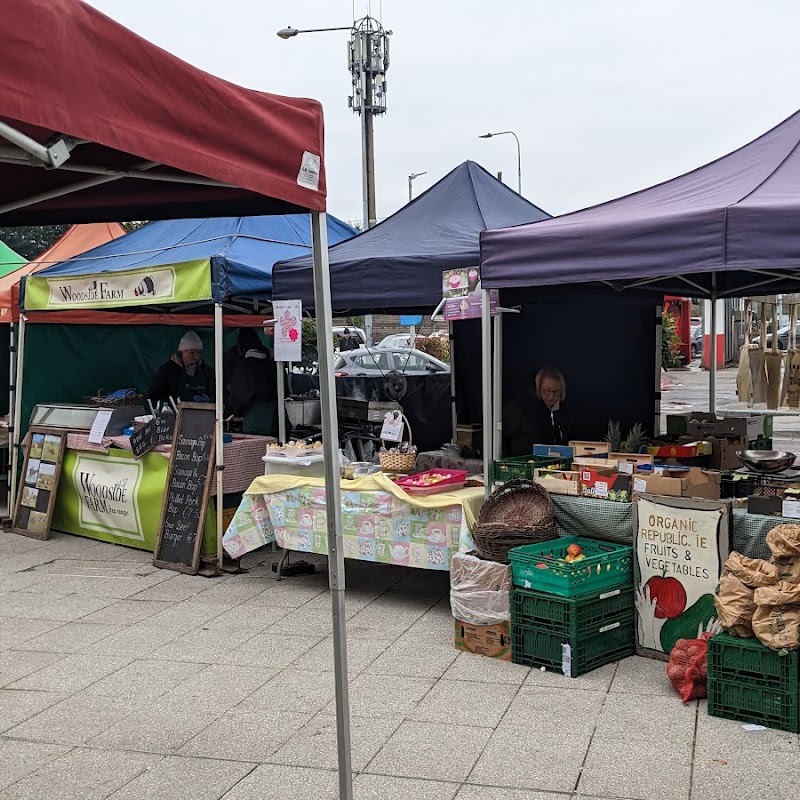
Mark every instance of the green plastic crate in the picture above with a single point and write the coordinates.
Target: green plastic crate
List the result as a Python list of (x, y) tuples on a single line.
[(573, 655), (607, 565), (747, 661), (523, 466), (745, 702), (571, 616)]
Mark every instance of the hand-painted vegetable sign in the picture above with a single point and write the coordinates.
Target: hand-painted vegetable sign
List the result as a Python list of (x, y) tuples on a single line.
[(670, 596)]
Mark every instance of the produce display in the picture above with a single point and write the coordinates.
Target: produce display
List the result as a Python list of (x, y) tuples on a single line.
[(433, 481)]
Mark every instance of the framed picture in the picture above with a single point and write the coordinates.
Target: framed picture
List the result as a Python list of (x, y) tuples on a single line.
[(41, 470)]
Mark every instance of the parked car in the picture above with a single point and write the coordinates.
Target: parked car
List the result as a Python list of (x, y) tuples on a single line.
[(377, 361), (783, 337), (696, 342), (396, 340)]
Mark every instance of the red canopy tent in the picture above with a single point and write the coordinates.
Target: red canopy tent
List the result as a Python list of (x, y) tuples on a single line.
[(102, 125)]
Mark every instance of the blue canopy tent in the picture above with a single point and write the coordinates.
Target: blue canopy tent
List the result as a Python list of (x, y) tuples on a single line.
[(219, 260), (397, 265)]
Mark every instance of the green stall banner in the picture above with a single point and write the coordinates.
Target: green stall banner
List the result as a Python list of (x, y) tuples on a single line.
[(117, 498), (178, 283)]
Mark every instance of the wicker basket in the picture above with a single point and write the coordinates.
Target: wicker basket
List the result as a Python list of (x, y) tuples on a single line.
[(519, 512), (398, 462)]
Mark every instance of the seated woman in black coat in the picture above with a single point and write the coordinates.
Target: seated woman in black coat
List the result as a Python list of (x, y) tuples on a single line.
[(538, 415)]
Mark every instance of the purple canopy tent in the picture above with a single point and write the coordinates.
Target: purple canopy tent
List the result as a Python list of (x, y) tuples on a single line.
[(727, 229)]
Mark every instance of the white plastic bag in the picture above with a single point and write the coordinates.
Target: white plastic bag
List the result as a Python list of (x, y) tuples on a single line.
[(480, 591)]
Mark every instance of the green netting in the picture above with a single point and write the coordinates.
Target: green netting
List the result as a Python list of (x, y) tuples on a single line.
[(9, 260)]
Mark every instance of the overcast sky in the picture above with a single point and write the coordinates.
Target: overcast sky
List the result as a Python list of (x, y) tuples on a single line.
[(606, 96)]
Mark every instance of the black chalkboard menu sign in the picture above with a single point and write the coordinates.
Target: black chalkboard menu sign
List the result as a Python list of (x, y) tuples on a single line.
[(158, 431), (41, 470), (183, 512)]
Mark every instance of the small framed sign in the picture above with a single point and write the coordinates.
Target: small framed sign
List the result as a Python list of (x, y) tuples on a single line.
[(41, 470)]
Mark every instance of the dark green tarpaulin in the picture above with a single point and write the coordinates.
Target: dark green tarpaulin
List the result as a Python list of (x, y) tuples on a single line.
[(68, 363)]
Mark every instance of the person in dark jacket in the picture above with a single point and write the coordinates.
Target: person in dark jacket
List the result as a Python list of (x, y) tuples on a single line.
[(538, 415), (185, 376), (348, 342), (246, 340), (253, 392)]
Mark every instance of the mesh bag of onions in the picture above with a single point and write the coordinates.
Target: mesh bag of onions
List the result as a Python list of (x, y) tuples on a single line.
[(688, 667)]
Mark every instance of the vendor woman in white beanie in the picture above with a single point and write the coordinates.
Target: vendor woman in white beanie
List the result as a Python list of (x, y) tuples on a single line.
[(185, 376)]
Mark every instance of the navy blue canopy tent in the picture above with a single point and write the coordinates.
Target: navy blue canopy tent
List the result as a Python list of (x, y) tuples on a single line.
[(398, 264), (180, 261)]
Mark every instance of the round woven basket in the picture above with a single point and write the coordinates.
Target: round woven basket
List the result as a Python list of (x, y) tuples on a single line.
[(517, 513), (398, 462)]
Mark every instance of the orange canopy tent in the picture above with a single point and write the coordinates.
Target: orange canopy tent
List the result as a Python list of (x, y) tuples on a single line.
[(77, 239)]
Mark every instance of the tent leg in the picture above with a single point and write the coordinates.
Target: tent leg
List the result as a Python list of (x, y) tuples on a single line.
[(453, 407), (279, 366), (497, 389), (12, 399), (486, 376), (12, 498), (657, 387), (218, 401), (330, 442), (712, 350)]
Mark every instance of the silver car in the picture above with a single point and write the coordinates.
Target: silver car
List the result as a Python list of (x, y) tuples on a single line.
[(377, 361)]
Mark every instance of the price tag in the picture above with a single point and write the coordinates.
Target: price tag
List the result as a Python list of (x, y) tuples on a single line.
[(100, 424), (625, 467), (601, 489), (639, 485), (393, 426), (791, 509)]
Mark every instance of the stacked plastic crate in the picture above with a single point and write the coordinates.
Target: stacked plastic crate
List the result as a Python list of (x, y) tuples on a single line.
[(572, 616), (749, 682)]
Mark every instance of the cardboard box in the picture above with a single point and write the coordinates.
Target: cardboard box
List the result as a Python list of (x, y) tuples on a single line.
[(558, 481), (470, 435), (723, 452), (694, 482), (628, 462), (493, 641), (702, 423), (687, 449), (591, 449), (600, 463), (606, 484)]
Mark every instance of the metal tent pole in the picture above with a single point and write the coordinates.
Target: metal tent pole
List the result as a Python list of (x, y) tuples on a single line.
[(486, 379), (12, 499), (497, 389), (712, 350), (453, 407), (657, 388), (281, 403), (12, 400), (218, 402), (330, 439)]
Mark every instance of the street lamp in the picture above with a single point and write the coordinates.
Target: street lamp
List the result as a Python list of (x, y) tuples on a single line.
[(519, 155), (368, 62), (412, 177)]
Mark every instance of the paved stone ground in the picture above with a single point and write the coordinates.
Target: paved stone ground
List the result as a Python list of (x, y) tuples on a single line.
[(119, 680)]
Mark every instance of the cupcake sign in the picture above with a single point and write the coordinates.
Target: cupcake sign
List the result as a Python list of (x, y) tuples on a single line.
[(460, 282), (288, 329)]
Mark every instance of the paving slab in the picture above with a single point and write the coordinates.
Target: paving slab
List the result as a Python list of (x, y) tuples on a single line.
[(16, 664), (127, 612), (469, 667), (18, 759), (80, 775), (145, 679), (16, 630), (294, 689), (315, 744), (597, 680), (71, 674), (282, 782), (541, 708), (269, 650), (70, 637), (383, 787), (653, 718), (431, 750), (72, 720), (532, 757), (17, 705), (181, 778), (222, 686), (750, 774), (360, 654), (385, 695), (717, 737), (646, 676), (655, 769), (471, 792), (206, 645), (475, 705), (411, 657)]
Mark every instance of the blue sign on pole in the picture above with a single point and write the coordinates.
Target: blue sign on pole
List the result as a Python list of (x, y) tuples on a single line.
[(411, 319)]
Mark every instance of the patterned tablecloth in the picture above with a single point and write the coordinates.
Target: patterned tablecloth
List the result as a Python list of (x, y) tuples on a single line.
[(380, 521), (242, 456)]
